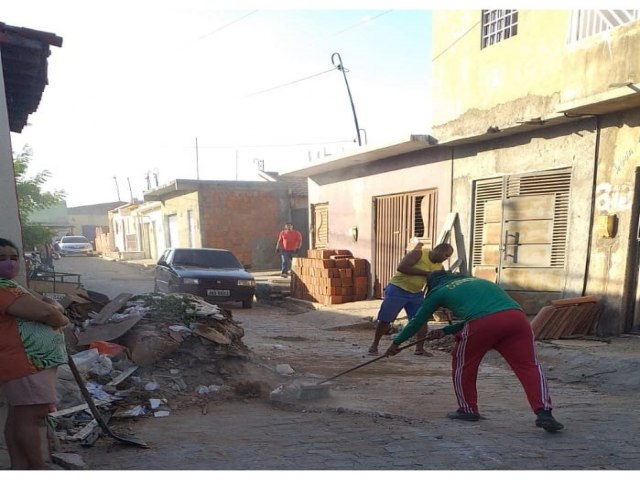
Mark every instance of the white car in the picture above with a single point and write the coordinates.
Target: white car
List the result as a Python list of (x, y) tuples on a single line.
[(75, 245)]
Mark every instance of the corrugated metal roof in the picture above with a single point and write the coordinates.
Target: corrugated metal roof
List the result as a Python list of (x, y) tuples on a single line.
[(24, 53)]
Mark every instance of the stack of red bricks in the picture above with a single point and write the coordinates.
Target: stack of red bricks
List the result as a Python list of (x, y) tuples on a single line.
[(329, 277)]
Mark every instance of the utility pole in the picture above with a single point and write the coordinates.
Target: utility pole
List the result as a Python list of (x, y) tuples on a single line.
[(130, 191), (117, 189), (197, 161), (340, 66)]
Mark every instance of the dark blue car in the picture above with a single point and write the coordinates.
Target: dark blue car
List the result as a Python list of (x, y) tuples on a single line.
[(213, 274)]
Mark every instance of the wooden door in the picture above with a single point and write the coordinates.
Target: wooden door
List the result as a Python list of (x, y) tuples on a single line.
[(320, 225)]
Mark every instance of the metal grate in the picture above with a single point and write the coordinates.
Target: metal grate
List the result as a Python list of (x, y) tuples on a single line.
[(485, 190), (557, 183), (498, 25), (586, 23), (398, 218)]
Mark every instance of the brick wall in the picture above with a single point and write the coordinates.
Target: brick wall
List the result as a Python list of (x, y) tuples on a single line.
[(245, 221)]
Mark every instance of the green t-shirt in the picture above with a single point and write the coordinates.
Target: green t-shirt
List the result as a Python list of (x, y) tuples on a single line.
[(467, 297)]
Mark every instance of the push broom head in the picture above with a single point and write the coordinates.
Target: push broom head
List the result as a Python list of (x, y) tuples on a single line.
[(313, 392)]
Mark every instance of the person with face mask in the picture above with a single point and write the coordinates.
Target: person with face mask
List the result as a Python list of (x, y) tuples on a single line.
[(32, 346)]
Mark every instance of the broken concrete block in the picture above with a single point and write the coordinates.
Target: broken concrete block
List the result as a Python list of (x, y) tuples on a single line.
[(284, 369), (70, 461)]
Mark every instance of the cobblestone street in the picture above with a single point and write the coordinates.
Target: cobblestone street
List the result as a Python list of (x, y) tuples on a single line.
[(389, 415)]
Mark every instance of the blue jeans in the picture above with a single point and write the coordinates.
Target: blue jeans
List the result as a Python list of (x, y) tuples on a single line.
[(286, 256)]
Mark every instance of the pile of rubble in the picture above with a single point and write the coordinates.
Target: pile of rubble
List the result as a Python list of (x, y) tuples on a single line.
[(148, 355)]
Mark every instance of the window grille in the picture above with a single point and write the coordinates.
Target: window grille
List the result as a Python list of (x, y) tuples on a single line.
[(498, 25), (586, 23)]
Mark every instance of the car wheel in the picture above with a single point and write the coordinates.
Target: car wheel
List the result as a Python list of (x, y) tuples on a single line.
[(247, 303)]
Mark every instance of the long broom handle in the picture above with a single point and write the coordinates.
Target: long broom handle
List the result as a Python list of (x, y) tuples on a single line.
[(367, 363)]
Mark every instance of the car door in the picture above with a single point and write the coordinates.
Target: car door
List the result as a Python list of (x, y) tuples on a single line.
[(162, 273)]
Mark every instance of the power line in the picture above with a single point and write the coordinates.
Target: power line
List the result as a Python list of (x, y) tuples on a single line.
[(455, 41), (364, 20), (288, 83), (225, 26)]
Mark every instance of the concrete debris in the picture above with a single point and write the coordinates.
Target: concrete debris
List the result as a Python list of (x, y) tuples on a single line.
[(284, 369), (204, 390), (69, 461), (177, 344)]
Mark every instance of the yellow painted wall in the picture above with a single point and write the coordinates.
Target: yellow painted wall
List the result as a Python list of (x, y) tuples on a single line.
[(537, 65)]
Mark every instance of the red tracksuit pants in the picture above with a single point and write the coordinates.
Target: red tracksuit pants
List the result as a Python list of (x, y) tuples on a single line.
[(510, 334)]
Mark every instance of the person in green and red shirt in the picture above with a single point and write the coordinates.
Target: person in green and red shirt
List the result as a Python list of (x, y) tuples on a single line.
[(489, 319), (289, 242)]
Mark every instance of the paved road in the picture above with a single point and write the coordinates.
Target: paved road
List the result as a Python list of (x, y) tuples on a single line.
[(108, 277)]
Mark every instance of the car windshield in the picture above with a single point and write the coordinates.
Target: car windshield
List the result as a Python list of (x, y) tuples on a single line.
[(74, 240), (205, 258)]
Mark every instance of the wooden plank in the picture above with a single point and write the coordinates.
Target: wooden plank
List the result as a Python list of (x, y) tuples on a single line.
[(560, 322), (595, 311), (122, 376), (77, 408), (575, 300), (110, 308), (545, 314), (83, 433)]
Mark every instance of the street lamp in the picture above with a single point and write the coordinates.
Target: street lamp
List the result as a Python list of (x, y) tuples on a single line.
[(340, 66)]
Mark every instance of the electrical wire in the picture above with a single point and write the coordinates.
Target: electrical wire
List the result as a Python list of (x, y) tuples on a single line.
[(455, 41), (225, 26), (288, 83), (365, 20)]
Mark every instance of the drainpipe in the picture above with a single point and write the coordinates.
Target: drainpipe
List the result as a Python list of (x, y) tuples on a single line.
[(593, 206)]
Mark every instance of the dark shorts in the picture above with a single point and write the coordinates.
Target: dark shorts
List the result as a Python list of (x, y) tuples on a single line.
[(395, 299)]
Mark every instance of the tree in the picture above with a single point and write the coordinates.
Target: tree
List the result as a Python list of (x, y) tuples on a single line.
[(31, 198)]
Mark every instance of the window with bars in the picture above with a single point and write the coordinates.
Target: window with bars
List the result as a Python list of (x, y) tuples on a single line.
[(498, 25), (423, 213), (586, 23)]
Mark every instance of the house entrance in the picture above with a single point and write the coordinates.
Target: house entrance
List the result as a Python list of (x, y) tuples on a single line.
[(520, 234), (399, 218)]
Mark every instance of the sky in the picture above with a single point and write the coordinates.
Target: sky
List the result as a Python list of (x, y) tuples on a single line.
[(137, 85)]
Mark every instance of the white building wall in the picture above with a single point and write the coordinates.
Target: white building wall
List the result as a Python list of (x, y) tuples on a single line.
[(10, 227)]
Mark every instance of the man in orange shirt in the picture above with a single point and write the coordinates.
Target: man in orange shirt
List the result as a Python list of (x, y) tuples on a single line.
[(289, 241)]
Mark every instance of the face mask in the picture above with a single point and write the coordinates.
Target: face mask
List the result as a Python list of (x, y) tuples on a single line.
[(9, 268)]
